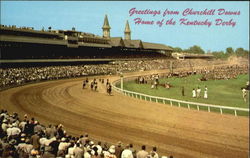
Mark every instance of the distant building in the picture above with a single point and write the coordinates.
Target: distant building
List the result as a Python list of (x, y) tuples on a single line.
[(27, 43)]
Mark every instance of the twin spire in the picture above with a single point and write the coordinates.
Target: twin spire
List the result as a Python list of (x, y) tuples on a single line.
[(106, 29), (127, 32), (106, 23)]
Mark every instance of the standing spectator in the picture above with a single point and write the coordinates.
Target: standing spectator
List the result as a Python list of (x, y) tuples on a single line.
[(34, 140), (132, 149), (28, 147), (194, 93), (118, 150), (50, 131), (71, 149), (83, 84), (127, 153), (110, 153), (142, 153), (182, 91), (78, 152), (13, 131), (99, 148), (54, 146), (63, 147), (87, 153), (109, 89), (60, 131), (205, 93), (244, 94), (38, 128), (95, 85), (198, 92), (84, 139), (92, 85), (153, 153)]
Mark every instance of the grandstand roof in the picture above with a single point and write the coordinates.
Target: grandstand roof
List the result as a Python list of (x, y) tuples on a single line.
[(117, 42), (24, 39), (133, 43), (147, 45)]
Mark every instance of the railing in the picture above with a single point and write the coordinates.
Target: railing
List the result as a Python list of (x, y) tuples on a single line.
[(178, 102)]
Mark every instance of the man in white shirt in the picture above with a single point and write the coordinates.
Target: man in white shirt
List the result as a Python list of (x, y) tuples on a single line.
[(127, 153)]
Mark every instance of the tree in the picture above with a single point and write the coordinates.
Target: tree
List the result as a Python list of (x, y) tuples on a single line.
[(220, 55), (240, 52), (230, 51), (177, 49), (195, 49)]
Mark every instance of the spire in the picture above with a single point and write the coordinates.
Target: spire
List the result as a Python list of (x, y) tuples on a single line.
[(106, 28), (127, 32), (127, 28), (106, 23)]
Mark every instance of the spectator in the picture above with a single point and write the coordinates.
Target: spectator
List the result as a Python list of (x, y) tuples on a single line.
[(142, 153), (194, 93), (198, 92), (153, 153), (127, 153), (78, 152), (34, 140), (205, 93), (118, 149)]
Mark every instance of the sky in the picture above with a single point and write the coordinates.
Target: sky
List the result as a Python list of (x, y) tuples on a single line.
[(88, 16)]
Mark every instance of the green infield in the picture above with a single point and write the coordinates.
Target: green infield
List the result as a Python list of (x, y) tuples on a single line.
[(220, 92)]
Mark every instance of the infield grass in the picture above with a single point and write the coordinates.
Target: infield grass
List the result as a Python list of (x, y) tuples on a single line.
[(220, 92)]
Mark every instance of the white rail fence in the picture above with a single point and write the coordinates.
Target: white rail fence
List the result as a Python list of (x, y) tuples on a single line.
[(179, 103)]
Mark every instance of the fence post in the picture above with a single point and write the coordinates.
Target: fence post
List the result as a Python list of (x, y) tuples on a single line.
[(145, 98), (164, 101), (208, 108), (140, 96), (235, 113), (171, 103), (220, 110), (188, 106), (179, 104), (156, 100), (150, 99), (198, 108)]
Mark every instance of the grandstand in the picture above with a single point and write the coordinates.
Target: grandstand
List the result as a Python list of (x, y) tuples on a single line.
[(27, 43)]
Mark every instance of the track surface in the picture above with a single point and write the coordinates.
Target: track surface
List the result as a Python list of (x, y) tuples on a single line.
[(178, 131)]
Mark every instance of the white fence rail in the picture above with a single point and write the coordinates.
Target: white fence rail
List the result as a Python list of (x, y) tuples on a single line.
[(178, 102)]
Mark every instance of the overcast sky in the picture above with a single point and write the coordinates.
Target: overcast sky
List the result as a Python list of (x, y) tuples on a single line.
[(88, 16)]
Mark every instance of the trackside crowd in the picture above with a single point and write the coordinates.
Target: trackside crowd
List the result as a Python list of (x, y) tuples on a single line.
[(21, 75), (27, 138)]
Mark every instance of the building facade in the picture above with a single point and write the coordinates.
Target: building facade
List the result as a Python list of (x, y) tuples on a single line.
[(27, 43)]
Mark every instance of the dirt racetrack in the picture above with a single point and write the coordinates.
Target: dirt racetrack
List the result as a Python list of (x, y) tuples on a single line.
[(178, 131)]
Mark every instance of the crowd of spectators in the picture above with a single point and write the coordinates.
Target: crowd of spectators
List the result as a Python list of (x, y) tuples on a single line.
[(27, 138), (221, 72), (224, 72), (21, 75)]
